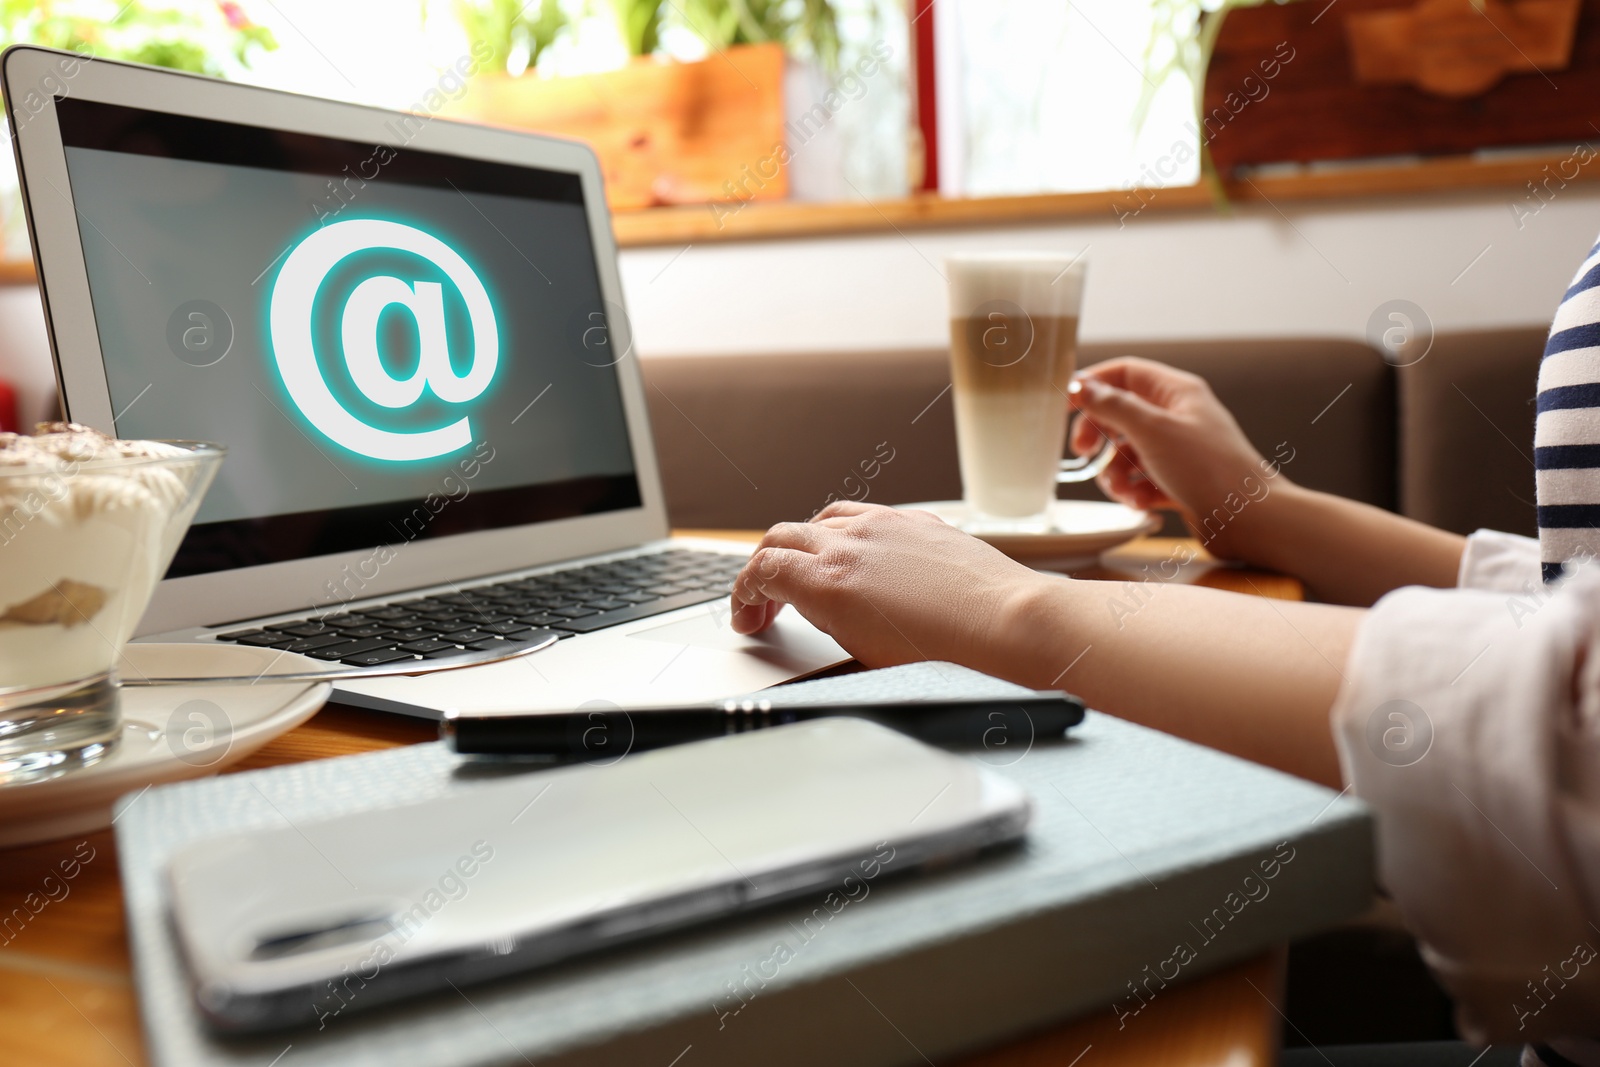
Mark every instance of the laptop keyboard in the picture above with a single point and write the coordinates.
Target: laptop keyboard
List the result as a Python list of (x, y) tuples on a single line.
[(488, 617)]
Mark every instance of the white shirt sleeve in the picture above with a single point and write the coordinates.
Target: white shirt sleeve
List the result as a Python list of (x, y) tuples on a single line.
[(1470, 720), (1502, 561)]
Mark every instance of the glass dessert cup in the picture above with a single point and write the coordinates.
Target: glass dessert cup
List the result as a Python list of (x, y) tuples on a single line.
[(86, 533)]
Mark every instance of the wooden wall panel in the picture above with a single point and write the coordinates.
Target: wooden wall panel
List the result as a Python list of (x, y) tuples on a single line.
[(1312, 108)]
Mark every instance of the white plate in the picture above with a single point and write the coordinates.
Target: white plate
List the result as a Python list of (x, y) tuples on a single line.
[(168, 734), (1082, 529)]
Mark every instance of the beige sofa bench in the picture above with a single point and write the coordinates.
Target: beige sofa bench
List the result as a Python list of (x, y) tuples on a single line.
[(749, 440)]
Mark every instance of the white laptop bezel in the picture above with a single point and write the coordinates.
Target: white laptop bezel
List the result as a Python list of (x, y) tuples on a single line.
[(34, 77)]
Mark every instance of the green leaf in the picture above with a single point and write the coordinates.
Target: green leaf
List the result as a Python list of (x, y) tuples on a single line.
[(193, 38), (639, 21)]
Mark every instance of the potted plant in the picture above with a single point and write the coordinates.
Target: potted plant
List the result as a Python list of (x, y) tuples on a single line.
[(811, 27), (670, 132), (516, 32)]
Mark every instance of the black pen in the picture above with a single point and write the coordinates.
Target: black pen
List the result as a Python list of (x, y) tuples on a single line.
[(992, 722)]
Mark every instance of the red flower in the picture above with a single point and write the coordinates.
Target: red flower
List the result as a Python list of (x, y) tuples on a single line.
[(235, 15)]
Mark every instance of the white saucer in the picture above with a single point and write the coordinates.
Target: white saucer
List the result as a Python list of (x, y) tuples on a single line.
[(1082, 529), (168, 734)]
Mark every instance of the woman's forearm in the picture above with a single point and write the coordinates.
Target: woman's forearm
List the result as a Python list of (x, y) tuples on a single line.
[(1347, 552), (1254, 676), (1248, 675)]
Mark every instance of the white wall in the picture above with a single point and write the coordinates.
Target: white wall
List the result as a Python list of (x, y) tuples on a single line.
[(1315, 270)]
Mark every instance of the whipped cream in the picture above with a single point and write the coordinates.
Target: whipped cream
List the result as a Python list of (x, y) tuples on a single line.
[(87, 526), (66, 442)]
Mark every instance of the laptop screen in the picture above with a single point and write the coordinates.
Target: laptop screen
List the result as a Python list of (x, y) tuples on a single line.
[(393, 344)]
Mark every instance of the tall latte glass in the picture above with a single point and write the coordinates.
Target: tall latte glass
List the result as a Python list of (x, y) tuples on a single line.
[(1013, 350)]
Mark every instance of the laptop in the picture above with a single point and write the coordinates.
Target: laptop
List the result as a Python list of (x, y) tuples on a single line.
[(410, 335)]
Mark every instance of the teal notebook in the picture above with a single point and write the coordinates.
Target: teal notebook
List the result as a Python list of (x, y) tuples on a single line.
[(1149, 861)]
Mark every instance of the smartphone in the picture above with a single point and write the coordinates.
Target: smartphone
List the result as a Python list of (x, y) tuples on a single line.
[(283, 928)]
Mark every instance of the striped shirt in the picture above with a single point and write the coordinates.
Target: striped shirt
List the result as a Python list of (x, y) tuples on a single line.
[(1567, 434)]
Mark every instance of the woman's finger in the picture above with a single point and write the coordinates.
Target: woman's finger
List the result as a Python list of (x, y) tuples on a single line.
[(1125, 483), (1116, 411), (1086, 436), (773, 574), (843, 509), (1122, 478), (754, 618), (804, 536), (1145, 377)]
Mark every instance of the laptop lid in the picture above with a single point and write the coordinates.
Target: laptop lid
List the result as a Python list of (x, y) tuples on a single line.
[(409, 332)]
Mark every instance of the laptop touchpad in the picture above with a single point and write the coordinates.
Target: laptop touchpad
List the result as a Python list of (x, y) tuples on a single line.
[(709, 630)]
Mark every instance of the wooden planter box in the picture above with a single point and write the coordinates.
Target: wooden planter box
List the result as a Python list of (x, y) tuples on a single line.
[(665, 132)]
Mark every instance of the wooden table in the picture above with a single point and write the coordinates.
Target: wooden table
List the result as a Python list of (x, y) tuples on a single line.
[(66, 988)]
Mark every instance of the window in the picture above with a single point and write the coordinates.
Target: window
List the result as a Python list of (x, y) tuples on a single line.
[(1042, 96)]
